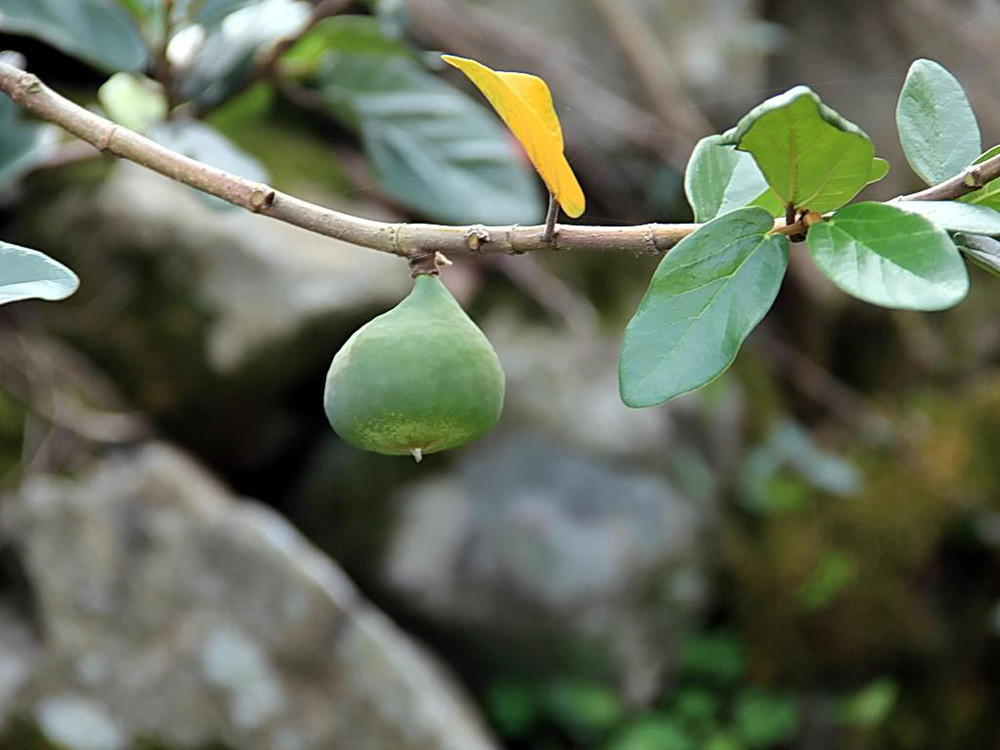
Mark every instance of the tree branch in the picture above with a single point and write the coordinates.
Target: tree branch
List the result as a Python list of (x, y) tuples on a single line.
[(403, 239), (968, 180)]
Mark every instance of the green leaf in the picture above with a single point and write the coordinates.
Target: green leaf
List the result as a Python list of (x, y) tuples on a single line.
[(810, 155), (133, 100), (936, 124), (201, 142), (954, 216), (880, 169), (765, 719), (653, 733), (720, 179), (98, 32), (29, 274), (23, 146), (226, 57), (886, 256), (432, 147), (983, 251), (989, 194), (705, 298), (833, 574), (585, 708), (870, 706), (716, 656)]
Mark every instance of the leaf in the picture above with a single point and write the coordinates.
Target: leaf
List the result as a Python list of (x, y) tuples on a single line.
[(889, 257), (765, 719), (869, 706), (23, 146), (880, 168), (718, 657), (431, 146), (201, 142), (653, 732), (936, 124), (98, 32), (983, 251), (989, 194), (29, 274), (719, 179), (832, 575), (810, 155), (524, 103), (226, 57), (705, 298), (582, 706), (133, 100), (954, 216)]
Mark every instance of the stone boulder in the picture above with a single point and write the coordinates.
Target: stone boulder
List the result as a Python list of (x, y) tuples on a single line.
[(163, 609)]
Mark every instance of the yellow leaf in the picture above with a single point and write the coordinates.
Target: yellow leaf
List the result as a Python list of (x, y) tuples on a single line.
[(524, 103)]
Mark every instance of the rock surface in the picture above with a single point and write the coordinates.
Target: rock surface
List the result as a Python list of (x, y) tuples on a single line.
[(166, 609), (570, 562)]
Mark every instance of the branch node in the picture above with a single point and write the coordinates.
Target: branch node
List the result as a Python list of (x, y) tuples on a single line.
[(394, 231), (426, 263), (512, 248), (104, 142), (973, 177), (27, 86), (649, 236), (476, 237), (262, 197)]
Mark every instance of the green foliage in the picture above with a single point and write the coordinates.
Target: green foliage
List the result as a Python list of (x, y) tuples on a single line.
[(720, 179), (835, 571), (653, 733), (705, 298), (432, 147), (954, 216), (782, 472), (765, 719), (870, 706), (99, 32), (937, 126), (586, 709), (22, 145), (226, 58), (989, 194), (29, 274), (716, 657), (133, 100), (983, 251), (810, 155), (884, 255)]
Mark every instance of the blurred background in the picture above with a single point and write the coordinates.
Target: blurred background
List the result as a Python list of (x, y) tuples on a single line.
[(805, 554)]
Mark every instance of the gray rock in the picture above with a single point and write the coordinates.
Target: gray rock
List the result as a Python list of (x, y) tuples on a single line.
[(262, 281), (165, 608), (544, 552)]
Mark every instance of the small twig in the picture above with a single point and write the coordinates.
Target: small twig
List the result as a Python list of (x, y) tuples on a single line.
[(551, 217), (968, 180), (162, 66)]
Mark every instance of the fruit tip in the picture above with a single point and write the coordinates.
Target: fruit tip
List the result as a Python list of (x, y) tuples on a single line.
[(418, 455)]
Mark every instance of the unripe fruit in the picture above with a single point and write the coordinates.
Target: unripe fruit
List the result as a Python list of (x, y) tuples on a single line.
[(418, 379)]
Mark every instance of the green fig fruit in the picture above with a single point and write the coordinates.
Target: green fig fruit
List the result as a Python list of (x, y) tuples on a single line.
[(418, 379)]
